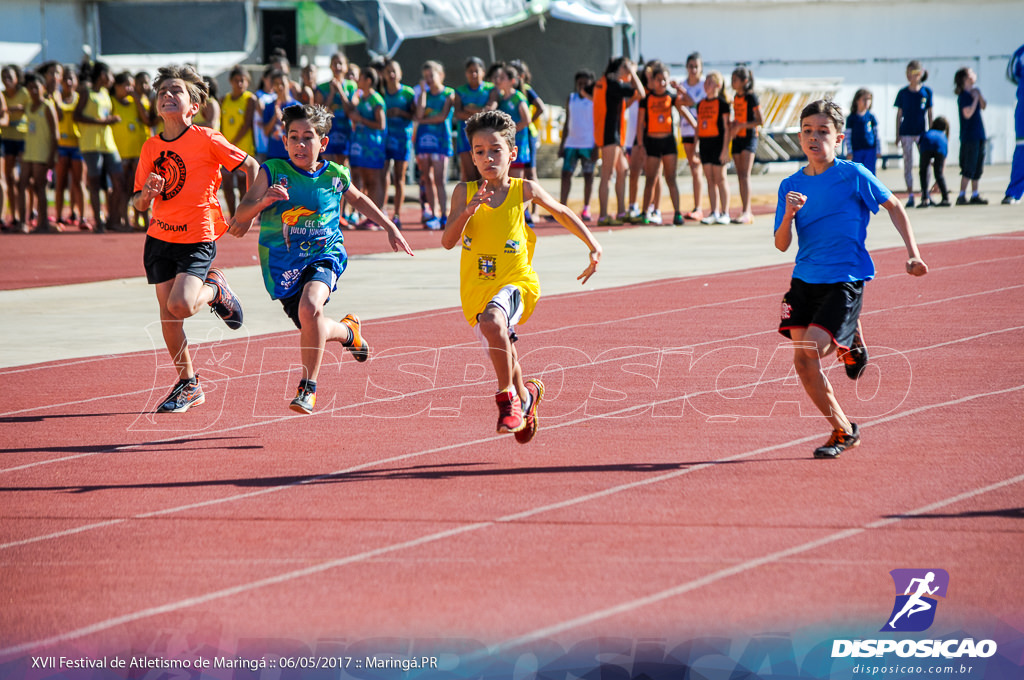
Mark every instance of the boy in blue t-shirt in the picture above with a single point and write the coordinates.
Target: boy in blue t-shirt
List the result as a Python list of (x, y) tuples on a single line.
[(830, 201), (301, 246)]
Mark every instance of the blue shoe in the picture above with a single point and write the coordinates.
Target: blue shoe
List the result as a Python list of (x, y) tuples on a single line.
[(183, 396), (433, 224), (224, 304)]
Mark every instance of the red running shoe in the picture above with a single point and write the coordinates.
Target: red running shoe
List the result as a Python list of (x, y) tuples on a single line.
[(510, 413), (536, 389)]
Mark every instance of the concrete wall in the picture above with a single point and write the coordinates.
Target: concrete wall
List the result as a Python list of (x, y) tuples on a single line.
[(867, 44), (34, 31)]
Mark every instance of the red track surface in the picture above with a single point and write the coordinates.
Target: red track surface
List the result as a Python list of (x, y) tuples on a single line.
[(684, 510)]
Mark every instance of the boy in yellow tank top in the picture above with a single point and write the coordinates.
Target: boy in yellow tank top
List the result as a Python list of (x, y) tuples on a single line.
[(499, 287)]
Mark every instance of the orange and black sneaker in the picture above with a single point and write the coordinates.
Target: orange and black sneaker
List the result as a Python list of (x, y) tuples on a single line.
[(224, 303), (536, 389), (357, 345), (305, 398), (510, 413), (856, 358), (839, 441), (185, 394)]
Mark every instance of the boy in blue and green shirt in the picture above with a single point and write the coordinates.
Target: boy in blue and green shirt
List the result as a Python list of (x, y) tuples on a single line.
[(301, 246)]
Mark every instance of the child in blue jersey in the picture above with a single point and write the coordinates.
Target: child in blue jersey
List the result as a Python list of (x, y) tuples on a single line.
[(301, 246), (366, 152), (1015, 74), (273, 114), (336, 95), (862, 140), (830, 201), (913, 104), (934, 146), (509, 99), (969, 104), (434, 109), (471, 98), (400, 107)]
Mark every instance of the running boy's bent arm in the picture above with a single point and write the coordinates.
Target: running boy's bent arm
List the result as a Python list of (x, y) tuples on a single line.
[(533, 191)]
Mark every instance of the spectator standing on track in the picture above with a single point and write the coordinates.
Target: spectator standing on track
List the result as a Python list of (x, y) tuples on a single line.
[(237, 111), (499, 287), (743, 136), (366, 152), (70, 170), (691, 92), (829, 201), (434, 108), (713, 114), (400, 103), (273, 114), (656, 130), (913, 105), (96, 119), (13, 138), (969, 104), (577, 143), (130, 133), (178, 175), (470, 98), (40, 151), (301, 269), (862, 140), (934, 146), (614, 91), (1015, 73)]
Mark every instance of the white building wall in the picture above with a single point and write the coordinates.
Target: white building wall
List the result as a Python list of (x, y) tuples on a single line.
[(866, 43), (34, 31)]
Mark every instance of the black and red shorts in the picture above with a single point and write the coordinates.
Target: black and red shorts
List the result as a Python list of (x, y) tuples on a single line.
[(833, 307)]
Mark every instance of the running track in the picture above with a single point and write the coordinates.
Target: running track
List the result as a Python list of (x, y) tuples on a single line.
[(670, 491)]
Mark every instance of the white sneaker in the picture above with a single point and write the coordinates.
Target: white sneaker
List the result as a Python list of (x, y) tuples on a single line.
[(723, 218), (634, 212), (710, 219)]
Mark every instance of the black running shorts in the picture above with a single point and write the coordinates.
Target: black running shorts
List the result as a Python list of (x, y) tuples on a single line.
[(834, 307), (164, 260)]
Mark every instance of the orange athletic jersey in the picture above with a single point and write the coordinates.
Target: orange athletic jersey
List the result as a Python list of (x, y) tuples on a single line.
[(659, 114), (187, 210), (743, 111), (709, 115), (609, 113)]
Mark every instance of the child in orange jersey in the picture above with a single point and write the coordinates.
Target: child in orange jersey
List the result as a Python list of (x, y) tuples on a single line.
[(178, 175)]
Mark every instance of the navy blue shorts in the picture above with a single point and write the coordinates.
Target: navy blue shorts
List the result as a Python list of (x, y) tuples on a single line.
[(972, 158), (318, 271)]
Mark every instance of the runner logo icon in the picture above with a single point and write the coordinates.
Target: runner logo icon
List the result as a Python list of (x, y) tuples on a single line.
[(914, 609)]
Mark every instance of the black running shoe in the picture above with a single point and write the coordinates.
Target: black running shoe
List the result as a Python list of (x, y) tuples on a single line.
[(224, 304), (184, 395), (305, 399), (839, 442), (856, 359)]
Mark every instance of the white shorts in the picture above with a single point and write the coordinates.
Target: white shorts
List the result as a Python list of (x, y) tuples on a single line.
[(510, 301)]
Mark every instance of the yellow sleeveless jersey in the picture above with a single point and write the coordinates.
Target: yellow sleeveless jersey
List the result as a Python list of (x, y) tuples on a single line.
[(232, 118), (38, 138), (67, 128), (497, 251), (131, 133), (17, 126), (97, 137)]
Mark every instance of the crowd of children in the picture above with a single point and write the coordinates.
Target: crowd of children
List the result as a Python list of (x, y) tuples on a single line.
[(76, 131)]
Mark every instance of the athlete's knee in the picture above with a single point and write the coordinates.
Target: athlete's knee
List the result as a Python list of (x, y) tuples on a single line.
[(492, 324)]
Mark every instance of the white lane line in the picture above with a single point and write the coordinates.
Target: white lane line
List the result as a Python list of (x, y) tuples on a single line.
[(441, 535)]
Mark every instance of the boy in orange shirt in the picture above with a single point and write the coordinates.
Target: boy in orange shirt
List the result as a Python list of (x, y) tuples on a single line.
[(179, 175)]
